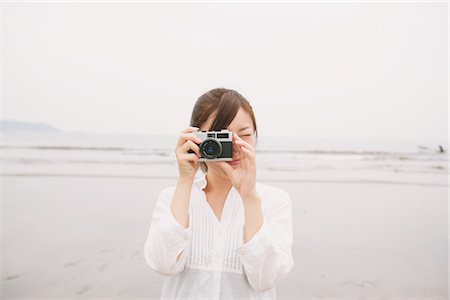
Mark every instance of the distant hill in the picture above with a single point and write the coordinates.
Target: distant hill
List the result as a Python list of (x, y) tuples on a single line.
[(16, 126)]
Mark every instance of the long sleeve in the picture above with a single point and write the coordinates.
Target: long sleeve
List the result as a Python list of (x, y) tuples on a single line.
[(267, 256), (166, 238)]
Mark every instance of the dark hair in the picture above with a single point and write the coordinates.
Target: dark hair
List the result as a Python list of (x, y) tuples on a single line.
[(225, 103)]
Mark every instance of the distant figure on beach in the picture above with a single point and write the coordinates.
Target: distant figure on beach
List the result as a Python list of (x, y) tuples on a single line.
[(432, 149), (220, 235)]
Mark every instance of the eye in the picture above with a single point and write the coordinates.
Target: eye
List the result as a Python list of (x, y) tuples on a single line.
[(246, 135)]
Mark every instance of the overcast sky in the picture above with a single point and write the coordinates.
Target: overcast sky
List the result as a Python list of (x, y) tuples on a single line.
[(371, 70)]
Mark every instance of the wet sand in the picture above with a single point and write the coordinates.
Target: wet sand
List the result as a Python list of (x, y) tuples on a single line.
[(83, 237)]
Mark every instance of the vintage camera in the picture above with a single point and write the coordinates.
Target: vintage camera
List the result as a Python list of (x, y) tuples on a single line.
[(216, 145)]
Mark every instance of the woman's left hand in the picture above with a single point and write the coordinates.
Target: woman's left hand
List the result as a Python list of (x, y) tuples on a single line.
[(243, 178)]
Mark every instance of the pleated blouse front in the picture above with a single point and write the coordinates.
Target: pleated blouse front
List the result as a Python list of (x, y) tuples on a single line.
[(216, 263)]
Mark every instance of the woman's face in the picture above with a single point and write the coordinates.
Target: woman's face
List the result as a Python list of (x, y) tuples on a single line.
[(242, 125)]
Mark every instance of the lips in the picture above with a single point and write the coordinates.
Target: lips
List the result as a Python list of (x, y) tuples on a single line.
[(234, 162)]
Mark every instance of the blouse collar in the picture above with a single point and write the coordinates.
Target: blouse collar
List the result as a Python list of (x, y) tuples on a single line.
[(200, 181)]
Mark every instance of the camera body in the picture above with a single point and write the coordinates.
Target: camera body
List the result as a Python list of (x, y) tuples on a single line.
[(216, 145)]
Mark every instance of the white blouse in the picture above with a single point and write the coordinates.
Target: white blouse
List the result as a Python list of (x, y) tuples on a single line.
[(216, 263)]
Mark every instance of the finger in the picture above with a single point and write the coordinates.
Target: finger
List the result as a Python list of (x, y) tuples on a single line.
[(243, 159), (188, 157), (235, 148), (234, 136), (241, 154), (237, 139), (186, 130), (234, 139), (250, 154), (189, 145), (250, 158), (246, 160), (187, 136), (226, 167), (189, 129), (245, 144)]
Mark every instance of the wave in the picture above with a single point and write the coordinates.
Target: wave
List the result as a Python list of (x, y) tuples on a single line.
[(360, 181), (167, 152)]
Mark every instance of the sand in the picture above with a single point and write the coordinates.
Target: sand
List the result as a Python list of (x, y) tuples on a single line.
[(83, 237)]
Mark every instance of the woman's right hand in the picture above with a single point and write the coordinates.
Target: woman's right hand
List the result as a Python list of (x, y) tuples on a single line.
[(188, 162)]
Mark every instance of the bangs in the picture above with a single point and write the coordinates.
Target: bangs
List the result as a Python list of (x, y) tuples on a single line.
[(227, 109)]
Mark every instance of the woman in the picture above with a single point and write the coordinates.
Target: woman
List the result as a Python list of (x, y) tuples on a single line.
[(221, 235)]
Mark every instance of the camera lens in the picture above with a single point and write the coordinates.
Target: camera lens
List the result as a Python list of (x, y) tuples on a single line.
[(211, 148)]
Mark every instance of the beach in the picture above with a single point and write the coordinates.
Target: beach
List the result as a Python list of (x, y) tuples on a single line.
[(367, 223)]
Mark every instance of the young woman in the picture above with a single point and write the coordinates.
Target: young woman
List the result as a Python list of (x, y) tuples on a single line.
[(221, 235)]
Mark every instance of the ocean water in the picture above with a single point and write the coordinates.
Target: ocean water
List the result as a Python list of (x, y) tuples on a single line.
[(379, 161)]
